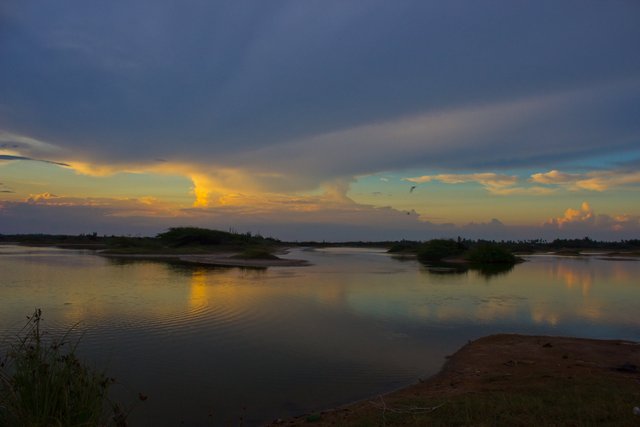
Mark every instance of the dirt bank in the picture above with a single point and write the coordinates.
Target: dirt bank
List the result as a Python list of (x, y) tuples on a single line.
[(511, 380)]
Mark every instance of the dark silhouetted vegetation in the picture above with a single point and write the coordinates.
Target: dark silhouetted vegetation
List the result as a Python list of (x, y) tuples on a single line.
[(490, 253), (404, 247), (200, 240), (175, 240), (44, 384), (557, 246), (492, 270), (439, 249), (192, 236)]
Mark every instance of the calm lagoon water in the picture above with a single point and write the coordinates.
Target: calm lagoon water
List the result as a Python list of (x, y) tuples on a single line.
[(213, 346)]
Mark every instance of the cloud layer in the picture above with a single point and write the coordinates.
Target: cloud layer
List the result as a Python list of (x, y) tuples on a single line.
[(386, 85), (284, 104)]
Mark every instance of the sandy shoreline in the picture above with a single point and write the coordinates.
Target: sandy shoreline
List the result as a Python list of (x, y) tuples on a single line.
[(228, 261), (505, 363)]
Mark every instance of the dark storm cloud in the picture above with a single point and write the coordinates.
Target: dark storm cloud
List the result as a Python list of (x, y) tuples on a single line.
[(242, 83), (9, 157)]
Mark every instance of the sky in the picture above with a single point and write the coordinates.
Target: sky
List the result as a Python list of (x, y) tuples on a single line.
[(325, 120)]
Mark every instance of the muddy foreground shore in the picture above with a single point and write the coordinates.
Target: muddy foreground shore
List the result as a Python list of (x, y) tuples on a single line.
[(510, 379)]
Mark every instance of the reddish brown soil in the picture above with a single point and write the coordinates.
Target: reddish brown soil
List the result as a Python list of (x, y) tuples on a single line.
[(502, 363)]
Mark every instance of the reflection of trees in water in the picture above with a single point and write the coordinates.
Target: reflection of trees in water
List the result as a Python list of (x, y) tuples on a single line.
[(491, 270), (120, 261), (445, 268), (184, 267), (172, 264), (403, 258), (448, 268)]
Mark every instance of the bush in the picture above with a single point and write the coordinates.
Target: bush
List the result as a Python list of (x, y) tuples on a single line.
[(438, 249), (44, 385), (194, 236), (491, 253), (404, 247)]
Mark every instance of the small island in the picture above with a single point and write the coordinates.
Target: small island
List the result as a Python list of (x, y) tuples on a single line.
[(205, 247), (233, 249), (448, 256)]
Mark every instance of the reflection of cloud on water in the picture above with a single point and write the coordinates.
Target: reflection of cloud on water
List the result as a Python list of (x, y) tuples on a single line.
[(493, 308), (573, 278), (465, 309), (451, 313), (620, 273), (331, 295), (551, 295), (545, 316), (498, 309), (593, 310)]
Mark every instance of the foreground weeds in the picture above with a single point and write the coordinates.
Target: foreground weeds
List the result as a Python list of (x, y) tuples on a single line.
[(43, 383)]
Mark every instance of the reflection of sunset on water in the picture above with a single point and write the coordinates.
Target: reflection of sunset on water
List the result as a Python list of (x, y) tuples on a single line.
[(198, 294), (353, 313)]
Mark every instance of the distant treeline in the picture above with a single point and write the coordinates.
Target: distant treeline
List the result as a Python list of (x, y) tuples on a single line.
[(529, 246), (174, 238), (521, 246), (192, 236)]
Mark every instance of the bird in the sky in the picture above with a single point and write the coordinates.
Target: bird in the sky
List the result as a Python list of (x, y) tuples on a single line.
[(413, 187)]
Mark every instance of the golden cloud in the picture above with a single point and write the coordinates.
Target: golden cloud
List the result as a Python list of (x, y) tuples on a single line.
[(585, 218), (144, 206), (592, 181)]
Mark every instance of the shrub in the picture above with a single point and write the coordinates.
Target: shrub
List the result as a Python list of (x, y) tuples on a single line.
[(194, 236), (491, 253), (404, 246), (44, 384), (438, 249)]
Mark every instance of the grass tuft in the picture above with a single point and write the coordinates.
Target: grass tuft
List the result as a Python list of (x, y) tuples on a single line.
[(45, 384)]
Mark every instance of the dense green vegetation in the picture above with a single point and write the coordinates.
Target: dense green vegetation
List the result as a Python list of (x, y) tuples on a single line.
[(439, 249), (178, 240), (404, 247), (490, 253), (485, 253), (44, 384), (200, 240), (192, 236), (181, 240)]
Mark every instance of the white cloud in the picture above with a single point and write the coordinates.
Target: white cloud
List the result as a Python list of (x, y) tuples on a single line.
[(498, 184), (489, 179)]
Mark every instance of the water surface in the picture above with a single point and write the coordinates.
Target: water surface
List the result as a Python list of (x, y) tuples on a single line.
[(213, 346)]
